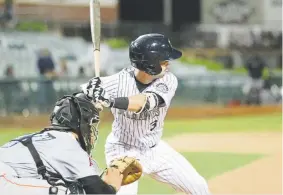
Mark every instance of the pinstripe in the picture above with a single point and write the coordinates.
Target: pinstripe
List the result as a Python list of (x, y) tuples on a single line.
[(116, 133), (166, 178), (140, 125), (119, 120), (109, 79), (112, 88), (111, 84), (127, 93), (132, 122), (125, 138), (123, 94), (131, 139)]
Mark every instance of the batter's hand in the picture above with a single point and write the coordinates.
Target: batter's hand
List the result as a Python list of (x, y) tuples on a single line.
[(113, 177), (93, 85), (102, 97)]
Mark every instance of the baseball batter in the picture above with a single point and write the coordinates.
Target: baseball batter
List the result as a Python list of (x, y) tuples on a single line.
[(57, 159), (139, 98)]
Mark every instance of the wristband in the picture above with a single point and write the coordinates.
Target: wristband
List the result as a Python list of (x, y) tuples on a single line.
[(120, 103)]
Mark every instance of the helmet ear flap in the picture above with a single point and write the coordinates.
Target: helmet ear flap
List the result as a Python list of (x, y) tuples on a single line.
[(154, 67)]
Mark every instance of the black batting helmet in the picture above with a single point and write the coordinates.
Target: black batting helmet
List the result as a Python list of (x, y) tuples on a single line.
[(77, 114), (147, 51)]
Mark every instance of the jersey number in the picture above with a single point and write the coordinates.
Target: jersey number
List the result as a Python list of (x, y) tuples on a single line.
[(153, 125)]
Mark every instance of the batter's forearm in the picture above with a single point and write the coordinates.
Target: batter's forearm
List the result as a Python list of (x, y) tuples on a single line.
[(147, 101), (136, 102)]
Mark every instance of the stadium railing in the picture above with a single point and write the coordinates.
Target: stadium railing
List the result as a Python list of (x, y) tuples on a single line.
[(38, 95)]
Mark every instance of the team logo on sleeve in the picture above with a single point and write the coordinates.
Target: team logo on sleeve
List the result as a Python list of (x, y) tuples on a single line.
[(162, 87)]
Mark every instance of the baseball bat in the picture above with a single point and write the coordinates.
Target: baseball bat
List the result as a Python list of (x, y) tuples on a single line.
[(95, 25)]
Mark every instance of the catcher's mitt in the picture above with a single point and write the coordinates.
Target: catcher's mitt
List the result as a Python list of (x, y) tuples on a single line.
[(129, 167)]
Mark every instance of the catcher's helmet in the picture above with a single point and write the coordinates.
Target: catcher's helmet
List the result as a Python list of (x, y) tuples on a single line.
[(77, 114), (147, 51)]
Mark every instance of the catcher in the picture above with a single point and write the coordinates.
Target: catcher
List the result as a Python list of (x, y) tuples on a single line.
[(57, 159)]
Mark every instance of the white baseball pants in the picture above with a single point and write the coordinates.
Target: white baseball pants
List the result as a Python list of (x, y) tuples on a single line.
[(162, 163)]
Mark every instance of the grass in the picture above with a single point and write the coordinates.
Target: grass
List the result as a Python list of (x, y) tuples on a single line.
[(117, 43), (219, 162), (271, 122), (32, 26), (208, 164), (217, 66)]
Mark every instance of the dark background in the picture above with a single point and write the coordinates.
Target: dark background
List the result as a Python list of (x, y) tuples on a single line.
[(183, 11)]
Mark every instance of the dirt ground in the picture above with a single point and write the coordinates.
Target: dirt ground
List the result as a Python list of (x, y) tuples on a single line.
[(262, 176)]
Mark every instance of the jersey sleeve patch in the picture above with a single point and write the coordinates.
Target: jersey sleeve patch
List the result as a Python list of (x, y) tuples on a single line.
[(162, 87)]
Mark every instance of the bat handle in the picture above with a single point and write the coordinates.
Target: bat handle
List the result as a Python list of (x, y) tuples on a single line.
[(97, 63), (97, 73)]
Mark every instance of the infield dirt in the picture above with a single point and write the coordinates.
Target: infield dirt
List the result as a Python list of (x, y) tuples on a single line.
[(262, 176)]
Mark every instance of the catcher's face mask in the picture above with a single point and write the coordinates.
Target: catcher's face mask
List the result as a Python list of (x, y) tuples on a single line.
[(79, 114), (89, 120)]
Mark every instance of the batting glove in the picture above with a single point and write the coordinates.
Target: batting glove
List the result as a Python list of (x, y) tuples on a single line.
[(93, 85), (102, 97)]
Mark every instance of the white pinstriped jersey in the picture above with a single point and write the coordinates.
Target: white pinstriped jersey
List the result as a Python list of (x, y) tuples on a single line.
[(140, 130)]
